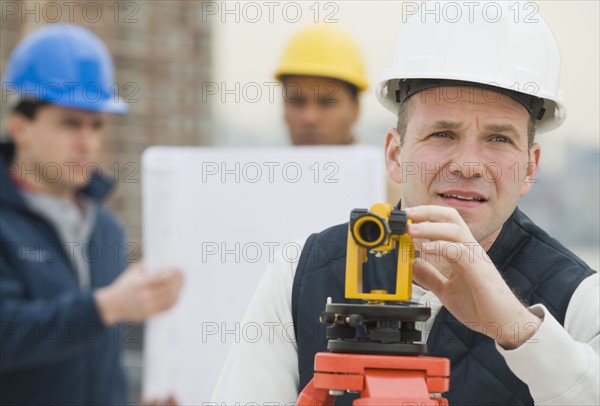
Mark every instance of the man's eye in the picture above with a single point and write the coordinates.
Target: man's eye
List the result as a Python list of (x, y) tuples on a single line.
[(328, 101), (501, 138), (71, 123), (442, 134), (295, 101)]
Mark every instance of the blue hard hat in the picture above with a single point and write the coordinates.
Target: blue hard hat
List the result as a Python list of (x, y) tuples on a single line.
[(67, 65)]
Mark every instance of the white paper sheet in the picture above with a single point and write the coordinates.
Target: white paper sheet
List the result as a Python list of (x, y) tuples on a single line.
[(221, 214)]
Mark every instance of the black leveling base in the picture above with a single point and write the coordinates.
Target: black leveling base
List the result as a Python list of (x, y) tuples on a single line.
[(374, 328)]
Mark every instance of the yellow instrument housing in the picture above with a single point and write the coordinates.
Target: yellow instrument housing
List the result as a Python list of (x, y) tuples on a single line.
[(356, 256)]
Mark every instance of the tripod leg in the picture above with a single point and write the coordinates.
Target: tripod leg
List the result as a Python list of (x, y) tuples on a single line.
[(315, 397)]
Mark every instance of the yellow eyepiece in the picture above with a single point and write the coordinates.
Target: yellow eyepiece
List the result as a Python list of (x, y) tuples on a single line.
[(369, 231)]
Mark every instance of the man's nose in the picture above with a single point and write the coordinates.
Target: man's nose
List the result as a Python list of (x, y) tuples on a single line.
[(311, 113), (468, 162), (87, 137)]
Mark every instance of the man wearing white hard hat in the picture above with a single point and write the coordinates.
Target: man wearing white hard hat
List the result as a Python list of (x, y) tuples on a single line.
[(515, 311), (65, 277)]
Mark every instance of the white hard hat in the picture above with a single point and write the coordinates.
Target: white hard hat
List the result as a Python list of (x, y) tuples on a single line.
[(499, 44)]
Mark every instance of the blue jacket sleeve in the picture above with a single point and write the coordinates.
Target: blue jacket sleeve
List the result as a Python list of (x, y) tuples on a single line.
[(35, 331)]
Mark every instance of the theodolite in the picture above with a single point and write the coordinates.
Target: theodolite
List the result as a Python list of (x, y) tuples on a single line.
[(374, 347)]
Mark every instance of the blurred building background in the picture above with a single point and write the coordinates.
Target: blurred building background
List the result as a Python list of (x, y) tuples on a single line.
[(200, 73)]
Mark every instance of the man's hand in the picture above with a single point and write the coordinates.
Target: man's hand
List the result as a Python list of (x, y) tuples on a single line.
[(170, 401), (472, 289), (136, 295)]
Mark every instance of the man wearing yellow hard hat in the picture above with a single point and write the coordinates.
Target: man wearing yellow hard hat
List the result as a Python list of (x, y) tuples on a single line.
[(322, 72)]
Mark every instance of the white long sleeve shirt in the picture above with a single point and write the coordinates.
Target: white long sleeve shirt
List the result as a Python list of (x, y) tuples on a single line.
[(559, 364)]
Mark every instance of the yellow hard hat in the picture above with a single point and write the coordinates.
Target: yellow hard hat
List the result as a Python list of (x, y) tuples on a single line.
[(323, 50)]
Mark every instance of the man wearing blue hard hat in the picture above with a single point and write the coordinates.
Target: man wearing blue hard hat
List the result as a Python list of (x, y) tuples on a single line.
[(64, 279)]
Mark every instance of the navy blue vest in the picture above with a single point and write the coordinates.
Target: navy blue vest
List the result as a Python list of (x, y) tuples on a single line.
[(537, 267)]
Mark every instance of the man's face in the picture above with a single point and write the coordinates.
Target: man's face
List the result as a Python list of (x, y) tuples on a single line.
[(61, 144), (465, 148), (319, 111)]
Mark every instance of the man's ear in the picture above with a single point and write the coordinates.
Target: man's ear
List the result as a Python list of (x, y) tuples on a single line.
[(17, 126), (392, 155), (532, 168), (355, 110)]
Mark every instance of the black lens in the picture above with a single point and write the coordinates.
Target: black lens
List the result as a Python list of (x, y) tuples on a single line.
[(369, 231)]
